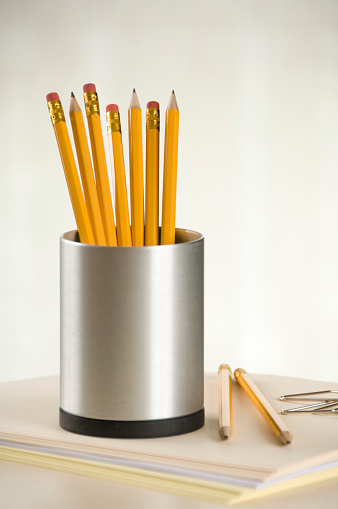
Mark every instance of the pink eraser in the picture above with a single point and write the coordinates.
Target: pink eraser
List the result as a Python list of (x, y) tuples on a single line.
[(89, 87), (112, 107), (53, 96), (153, 104)]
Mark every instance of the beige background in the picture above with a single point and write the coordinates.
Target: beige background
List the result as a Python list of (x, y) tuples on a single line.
[(256, 83)]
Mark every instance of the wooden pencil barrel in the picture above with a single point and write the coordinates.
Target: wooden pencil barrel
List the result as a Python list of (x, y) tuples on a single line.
[(132, 337)]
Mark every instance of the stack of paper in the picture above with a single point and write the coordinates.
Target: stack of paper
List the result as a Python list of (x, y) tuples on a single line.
[(252, 464)]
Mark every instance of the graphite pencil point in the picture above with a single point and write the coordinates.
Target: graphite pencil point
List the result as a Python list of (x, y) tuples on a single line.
[(74, 105), (172, 102), (134, 102)]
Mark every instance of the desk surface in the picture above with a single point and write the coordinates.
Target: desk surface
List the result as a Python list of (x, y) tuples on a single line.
[(35, 488), (27, 487)]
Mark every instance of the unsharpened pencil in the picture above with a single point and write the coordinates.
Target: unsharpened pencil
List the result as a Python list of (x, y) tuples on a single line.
[(152, 173), (119, 175), (99, 160)]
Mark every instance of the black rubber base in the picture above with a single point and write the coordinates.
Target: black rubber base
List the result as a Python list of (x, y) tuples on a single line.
[(131, 429)]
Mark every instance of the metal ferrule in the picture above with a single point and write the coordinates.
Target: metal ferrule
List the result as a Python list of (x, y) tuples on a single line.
[(91, 103), (113, 122), (153, 118), (56, 112)]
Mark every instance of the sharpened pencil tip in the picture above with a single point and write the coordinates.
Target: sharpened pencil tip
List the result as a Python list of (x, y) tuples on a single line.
[(172, 102), (74, 105), (134, 102)]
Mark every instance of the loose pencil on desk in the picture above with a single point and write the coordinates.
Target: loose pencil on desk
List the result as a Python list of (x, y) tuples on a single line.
[(224, 401), (99, 160), (170, 172), (119, 175), (69, 166), (86, 170), (270, 415), (136, 171), (152, 172)]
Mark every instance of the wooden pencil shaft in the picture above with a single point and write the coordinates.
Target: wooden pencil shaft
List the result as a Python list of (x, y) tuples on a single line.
[(111, 157), (102, 181), (87, 176), (121, 197), (136, 176), (152, 187), (117, 219), (170, 177), (259, 400), (73, 183)]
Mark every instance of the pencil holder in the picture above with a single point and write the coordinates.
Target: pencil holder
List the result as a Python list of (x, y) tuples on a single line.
[(132, 338)]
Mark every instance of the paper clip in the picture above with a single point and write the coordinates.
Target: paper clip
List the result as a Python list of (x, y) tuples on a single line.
[(322, 405)]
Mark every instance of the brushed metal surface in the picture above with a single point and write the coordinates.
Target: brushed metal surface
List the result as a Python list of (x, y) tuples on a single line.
[(132, 329)]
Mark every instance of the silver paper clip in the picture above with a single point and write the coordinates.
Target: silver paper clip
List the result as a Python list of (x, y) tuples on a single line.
[(322, 405)]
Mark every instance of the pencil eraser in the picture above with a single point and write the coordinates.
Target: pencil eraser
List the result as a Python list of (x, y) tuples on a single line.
[(52, 96), (153, 104), (89, 87), (112, 107)]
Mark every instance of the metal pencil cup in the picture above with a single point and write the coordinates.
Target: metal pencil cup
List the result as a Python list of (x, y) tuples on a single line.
[(132, 338)]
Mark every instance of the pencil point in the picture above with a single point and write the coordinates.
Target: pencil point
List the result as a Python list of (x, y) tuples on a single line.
[(134, 102), (74, 105), (172, 105)]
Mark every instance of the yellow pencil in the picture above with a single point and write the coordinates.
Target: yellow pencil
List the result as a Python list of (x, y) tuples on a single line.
[(269, 414), (119, 178), (86, 170), (152, 172), (170, 172), (69, 166), (99, 160), (136, 171)]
